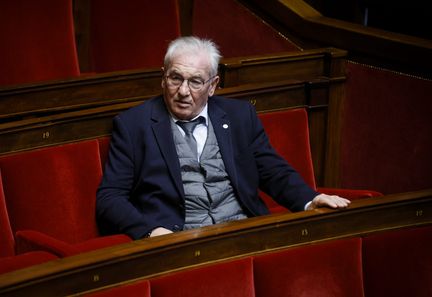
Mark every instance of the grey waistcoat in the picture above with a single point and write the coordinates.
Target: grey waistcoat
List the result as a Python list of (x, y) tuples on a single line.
[(210, 198)]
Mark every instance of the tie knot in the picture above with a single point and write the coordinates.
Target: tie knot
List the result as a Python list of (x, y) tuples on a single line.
[(189, 127)]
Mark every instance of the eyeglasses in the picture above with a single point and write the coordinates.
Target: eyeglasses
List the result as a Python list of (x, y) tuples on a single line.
[(194, 83)]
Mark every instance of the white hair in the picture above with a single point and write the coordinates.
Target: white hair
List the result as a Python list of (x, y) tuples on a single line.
[(194, 45)]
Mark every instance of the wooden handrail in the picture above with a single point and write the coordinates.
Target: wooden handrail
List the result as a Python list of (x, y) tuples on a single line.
[(403, 52), (154, 256)]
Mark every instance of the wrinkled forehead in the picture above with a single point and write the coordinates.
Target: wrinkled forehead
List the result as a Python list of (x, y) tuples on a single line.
[(190, 63)]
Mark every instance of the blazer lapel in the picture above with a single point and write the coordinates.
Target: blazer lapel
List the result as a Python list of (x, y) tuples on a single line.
[(162, 130), (222, 129)]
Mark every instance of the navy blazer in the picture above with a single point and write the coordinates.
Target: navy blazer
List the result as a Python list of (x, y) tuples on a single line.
[(142, 188)]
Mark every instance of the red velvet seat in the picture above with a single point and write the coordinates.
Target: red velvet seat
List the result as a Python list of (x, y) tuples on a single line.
[(8, 260), (131, 34), (398, 263), (238, 31), (288, 131), (38, 41), (228, 279), (50, 197), (326, 269)]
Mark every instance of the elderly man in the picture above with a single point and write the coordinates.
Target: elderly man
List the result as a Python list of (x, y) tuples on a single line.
[(188, 159)]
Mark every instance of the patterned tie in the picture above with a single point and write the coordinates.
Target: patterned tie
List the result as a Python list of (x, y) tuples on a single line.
[(188, 128)]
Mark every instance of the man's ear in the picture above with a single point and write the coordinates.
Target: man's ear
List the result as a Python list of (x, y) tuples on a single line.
[(163, 78), (213, 85)]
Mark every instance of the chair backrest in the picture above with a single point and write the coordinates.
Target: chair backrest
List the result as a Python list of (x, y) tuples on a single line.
[(38, 41), (326, 269), (238, 31), (288, 131), (53, 190), (7, 242), (228, 279), (131, 34), (398, 263)]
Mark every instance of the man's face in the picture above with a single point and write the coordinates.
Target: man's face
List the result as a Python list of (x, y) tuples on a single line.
[(187, 85)]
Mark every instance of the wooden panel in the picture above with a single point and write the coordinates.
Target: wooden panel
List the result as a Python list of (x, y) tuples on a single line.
[(153, 256), (96, 122), (73, 94), (291, 65)]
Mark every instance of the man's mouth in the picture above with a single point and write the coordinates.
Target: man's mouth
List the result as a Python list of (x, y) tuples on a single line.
[(183, 104)]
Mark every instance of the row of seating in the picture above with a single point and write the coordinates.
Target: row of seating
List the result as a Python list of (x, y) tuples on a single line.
[(39, 40), (48, 204), (48, 196), (393, 263)]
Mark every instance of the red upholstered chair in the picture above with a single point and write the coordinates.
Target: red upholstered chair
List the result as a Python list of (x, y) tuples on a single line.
[(398, 263), (131, 34), (238, 31), (228, 279), (37, 40), (8, 260), (139, 289), (288, 131), (50, 197), (326, 269)]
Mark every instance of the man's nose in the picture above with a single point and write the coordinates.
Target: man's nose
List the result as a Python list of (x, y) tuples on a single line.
[(184, 89)]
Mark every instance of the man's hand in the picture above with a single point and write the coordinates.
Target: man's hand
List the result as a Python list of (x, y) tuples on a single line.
[(160, 231), (333, 201)]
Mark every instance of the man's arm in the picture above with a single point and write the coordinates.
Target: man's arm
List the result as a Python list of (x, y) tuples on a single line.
[(113, 205)]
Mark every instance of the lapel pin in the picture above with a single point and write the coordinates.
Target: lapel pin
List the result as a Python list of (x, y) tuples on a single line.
[(225, 126)]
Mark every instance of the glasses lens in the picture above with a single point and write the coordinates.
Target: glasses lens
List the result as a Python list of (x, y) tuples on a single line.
[(176, 81), (195, 84)]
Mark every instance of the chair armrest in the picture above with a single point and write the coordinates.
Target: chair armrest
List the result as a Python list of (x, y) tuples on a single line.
[(16, 262), (350, 194), (29, 240)]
